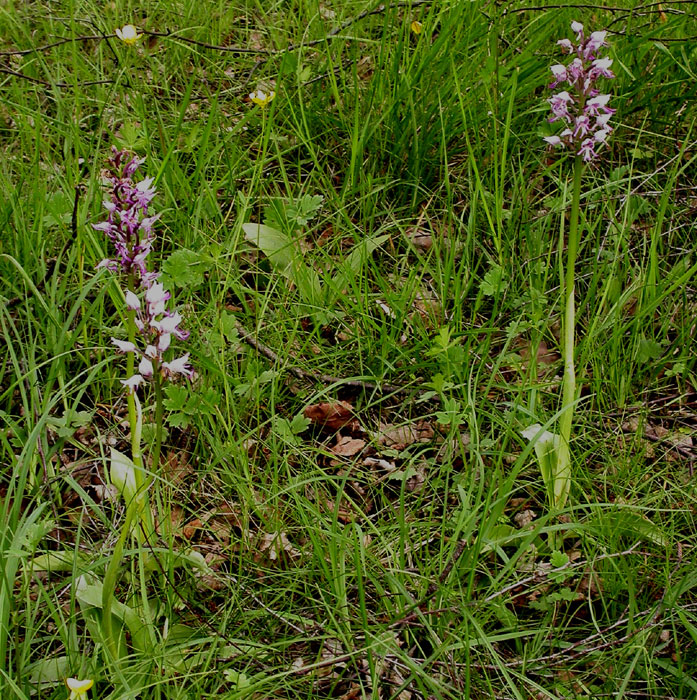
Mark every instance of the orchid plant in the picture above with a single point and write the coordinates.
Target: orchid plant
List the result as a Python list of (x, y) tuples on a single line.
[(150, 328), (582, 110)]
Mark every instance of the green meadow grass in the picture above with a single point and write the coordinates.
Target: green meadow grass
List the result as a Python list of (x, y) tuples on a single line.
[(418, 567)]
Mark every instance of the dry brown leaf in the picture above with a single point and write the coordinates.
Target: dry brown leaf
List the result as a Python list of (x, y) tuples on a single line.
[(420, 238), (417, 479), (348, 446), (332, 416), (545, 356), (524, 518), (380, 463), (400, 436), (176, 467), (385, 308), (276, 543), (191, 528), (176, 519)]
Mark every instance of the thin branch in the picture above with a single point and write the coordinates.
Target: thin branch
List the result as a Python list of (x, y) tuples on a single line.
[(45, 47), (47, 83), (540, 576), (319, 378)]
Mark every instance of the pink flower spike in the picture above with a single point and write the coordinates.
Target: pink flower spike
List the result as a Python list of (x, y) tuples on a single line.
[(108, 264), (598, 39), (132, 301), (602, 119), (104, 227), (169, 324), (145, 367), (559, 104), (132, 383), (582, 126), (124, 345)]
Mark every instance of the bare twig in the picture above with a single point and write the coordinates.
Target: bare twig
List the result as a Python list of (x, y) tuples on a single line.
[(540, 576), (47, 83), (320, 378)]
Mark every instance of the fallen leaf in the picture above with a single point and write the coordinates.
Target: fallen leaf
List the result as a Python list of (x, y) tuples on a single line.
[(276, 543), (524, 518), (191, 528), (348, 446), (401, 436), (380, 463), (330, 415), (420, 238), (176, 467)]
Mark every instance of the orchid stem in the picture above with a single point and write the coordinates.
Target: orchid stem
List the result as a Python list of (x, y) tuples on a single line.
[(569, 328), (159, 417)]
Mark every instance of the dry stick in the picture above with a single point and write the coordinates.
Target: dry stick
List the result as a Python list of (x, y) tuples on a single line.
[(685, 452), (352, 20), (45, 47), (535, 578), (541, 576), (231, 49), (205, 45), (46, 83), (300, 373), (269, 53)]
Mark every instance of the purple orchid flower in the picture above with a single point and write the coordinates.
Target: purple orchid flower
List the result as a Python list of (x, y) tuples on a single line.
[(581, 107), (129, 226)]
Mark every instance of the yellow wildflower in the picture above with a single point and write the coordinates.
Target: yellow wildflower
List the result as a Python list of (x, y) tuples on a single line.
[(417, 27), (78, 689), (128, 34), (259, 97)]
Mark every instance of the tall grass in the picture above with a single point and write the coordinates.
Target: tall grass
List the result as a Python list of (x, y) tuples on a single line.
[(413, 570)]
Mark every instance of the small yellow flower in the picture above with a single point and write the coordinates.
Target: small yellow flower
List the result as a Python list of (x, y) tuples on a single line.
[(78, 689), (417, 27), (259, 97), (128, 34)]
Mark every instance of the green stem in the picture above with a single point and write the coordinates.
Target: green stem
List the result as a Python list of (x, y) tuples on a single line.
[(159, 416), (563, 472), (109, 583), (130, 371)]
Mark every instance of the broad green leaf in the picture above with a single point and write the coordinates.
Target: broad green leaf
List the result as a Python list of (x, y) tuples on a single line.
[(90, 595), (554, 463), (631, 524), (52, 671), (186, 268), (286, 257), (58, 561), (123, 475), (277, 246)]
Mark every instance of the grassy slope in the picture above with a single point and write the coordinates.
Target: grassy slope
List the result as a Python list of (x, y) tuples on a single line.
[(409, 575)]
